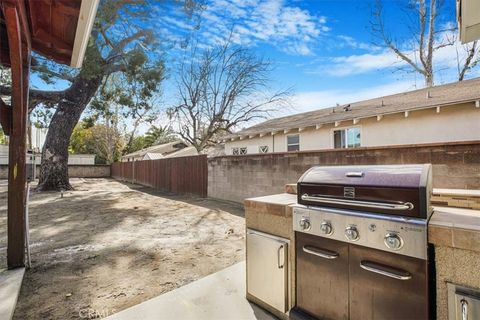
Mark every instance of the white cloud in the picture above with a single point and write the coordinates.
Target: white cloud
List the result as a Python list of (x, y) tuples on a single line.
[(445, 59), (285, 26), (314, 100), (354, 44), (356, 64)]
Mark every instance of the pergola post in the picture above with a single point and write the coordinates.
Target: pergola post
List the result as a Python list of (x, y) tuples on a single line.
[(20, 53)]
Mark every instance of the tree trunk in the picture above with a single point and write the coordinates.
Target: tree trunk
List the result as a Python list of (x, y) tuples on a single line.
[(54, 166), (429, 79)]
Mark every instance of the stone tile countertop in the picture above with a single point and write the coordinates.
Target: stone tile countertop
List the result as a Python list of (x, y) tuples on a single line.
[(274, 204), (455, 227)]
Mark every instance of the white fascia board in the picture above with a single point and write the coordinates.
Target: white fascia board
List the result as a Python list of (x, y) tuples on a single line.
[(86, 17)]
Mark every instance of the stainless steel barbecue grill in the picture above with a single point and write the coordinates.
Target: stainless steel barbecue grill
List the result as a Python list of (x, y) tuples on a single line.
[(361, 243)]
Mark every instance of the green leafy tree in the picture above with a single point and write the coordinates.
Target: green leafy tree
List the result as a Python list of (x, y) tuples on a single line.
[(81, 140), (137, 143), (105, 142), (159, 135), (123, 44), (3, 137)]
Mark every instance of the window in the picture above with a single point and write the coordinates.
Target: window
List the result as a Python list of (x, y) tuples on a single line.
[(263, 149), (293, 142), (346, 138), (243, 150), (235, 151)]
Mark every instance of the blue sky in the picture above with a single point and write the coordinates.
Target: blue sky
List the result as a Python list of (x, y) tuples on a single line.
[(323, 49)]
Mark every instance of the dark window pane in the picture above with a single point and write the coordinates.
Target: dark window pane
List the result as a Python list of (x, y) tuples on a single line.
[(339, 139), (295, 139), (293, 147)]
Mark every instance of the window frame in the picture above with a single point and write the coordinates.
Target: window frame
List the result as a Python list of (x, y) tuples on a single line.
[(345, 128), (287, 144)]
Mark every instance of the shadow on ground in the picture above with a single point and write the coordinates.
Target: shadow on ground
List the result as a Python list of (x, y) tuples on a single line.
[(108, 245)]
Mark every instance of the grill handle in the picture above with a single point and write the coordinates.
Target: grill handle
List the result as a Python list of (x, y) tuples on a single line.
[(385, 271), (359, 203), (322, 253), (354, 174)]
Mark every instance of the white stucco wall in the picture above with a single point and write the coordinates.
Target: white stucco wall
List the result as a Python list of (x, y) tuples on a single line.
[(453, 123)]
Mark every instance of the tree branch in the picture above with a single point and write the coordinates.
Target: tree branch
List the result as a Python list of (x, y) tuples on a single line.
[(471, 54)]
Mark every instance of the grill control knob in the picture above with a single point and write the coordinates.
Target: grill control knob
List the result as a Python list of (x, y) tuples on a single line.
[(393, 241), (326, 228), (304, 224), (351, 233)]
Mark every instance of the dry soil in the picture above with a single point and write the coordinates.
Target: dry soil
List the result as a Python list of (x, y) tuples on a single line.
[(107, 246)]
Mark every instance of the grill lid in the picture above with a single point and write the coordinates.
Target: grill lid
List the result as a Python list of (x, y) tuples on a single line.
[(394, 189)]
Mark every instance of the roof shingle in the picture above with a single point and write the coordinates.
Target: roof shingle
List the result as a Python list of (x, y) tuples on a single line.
[(449, 94)]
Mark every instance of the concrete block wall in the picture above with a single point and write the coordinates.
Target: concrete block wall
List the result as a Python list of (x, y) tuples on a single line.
[(455, 165), (74, 171)]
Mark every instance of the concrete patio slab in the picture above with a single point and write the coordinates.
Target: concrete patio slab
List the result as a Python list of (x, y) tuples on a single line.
[(10, 284), (218, 296)]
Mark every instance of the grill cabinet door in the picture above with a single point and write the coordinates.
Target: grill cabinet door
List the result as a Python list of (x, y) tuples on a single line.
[(375, 294), (267, 266), (322, 276)]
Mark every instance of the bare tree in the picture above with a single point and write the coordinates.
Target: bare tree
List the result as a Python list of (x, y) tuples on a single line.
[(427, 39), (219, 89), (471, 60)]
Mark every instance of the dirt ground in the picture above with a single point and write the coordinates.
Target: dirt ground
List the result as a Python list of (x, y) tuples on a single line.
[(107, 246)]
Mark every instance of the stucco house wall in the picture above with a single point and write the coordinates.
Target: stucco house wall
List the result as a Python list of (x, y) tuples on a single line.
[(452, 123)]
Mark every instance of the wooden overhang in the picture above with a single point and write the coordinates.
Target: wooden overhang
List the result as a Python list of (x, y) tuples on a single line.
[(58, 30)]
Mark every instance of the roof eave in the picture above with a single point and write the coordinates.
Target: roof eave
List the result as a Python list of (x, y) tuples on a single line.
[(355, 119), (86, 17)]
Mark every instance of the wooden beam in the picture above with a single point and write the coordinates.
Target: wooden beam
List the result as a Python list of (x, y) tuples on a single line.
[(262, 135), (318, 126), (337, 123), (407, 113), (301, 129), (379, 117), (477, 104), (286, 131), (438, 109), (356, 121), (20, 50)]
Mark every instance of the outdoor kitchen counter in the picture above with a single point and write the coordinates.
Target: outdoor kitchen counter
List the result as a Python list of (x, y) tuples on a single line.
[(455, 233), (273, 215), (455, 227)]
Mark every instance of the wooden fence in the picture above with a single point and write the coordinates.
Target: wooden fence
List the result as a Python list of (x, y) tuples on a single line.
[(178, 175)]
